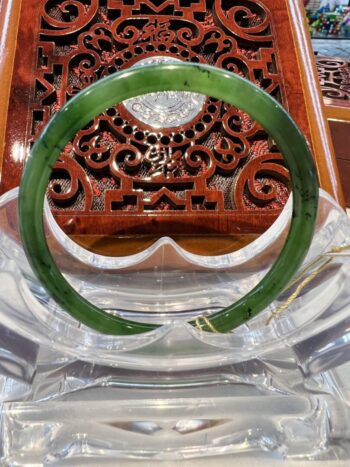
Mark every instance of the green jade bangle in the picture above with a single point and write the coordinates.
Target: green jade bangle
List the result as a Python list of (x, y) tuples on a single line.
[(123, 85)]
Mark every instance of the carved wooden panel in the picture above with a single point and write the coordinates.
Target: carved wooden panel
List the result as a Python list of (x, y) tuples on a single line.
[(334, 75), (217, 172)]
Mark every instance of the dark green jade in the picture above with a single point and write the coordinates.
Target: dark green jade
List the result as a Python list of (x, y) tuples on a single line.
[(123, 85)]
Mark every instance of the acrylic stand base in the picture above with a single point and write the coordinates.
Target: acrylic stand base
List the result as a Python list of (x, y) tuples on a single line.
[(113, 416), (274, 388)]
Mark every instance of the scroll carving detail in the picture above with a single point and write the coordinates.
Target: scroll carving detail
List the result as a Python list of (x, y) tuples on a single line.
[(334, 75), (219, 161)]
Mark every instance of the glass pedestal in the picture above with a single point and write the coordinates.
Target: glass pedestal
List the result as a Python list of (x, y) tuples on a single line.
[(276, 387)]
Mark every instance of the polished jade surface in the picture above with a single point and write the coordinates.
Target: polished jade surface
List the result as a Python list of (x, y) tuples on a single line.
[(123, 85)]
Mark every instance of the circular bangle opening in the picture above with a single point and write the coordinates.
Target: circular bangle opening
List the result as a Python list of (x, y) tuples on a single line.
[(127, 84)]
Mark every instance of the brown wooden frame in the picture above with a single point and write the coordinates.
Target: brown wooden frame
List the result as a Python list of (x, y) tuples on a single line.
[(318, 131)]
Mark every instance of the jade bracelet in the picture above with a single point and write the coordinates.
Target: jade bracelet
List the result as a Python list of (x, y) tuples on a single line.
[(107, 92)]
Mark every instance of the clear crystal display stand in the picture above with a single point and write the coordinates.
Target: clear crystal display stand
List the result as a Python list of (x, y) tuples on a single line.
[(276, 386)]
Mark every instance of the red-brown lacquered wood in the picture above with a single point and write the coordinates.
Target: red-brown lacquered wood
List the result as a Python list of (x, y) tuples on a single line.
[(9, 17), (344, 169), (197, 244), (320, 134), (218, 174), (334, 76), (340, 130)]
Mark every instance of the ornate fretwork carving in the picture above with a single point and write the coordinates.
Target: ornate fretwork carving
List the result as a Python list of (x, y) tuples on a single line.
[(334, 75), (220, 161)]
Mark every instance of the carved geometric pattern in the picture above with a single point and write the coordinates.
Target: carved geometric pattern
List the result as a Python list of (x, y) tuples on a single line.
[(219, 161), (334, 75)]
